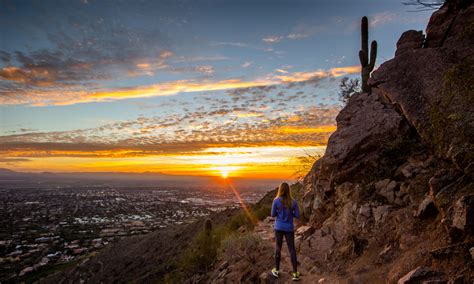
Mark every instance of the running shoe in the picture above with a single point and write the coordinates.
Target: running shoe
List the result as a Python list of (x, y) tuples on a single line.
[(295, 276), (275, 272)]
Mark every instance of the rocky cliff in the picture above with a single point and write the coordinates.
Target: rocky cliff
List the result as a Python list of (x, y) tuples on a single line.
[(394, 191)]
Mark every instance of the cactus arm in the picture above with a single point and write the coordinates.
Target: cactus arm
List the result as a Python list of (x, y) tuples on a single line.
[(373, 54), (365, 34)]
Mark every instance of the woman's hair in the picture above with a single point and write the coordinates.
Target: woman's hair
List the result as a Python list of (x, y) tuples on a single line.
[(284, 192)]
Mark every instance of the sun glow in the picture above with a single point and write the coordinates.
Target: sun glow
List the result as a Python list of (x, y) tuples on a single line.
[(224, 173), (223, 162)]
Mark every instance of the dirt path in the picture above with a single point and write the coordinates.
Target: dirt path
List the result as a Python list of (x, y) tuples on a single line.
[(265, 230)]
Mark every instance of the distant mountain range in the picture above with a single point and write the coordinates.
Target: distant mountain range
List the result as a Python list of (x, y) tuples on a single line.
[(10, 176)]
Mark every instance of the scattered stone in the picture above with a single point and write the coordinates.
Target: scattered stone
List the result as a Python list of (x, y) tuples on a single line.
[(406, 241), (426, 209), (406, 199), (408, 170), (404, 188), (463, 212), (401, 201), (386, 188), (448, 251), (26, 270), (222, 274), (414, 275), (323, 243), (269, 220), (305, 231), (265, 278), (380, 212), (364, 215), (471, 250), (223, 265), (386, 254), (381, 184), (322, 280)]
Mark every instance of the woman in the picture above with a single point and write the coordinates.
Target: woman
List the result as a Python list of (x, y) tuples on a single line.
[(285, 208)]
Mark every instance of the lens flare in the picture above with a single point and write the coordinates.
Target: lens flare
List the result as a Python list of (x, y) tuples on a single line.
[(244, 206)]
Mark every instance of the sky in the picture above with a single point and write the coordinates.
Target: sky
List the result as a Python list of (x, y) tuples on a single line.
[(209, 87)]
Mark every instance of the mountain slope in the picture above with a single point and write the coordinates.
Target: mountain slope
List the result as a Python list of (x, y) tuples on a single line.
[(394, 189)]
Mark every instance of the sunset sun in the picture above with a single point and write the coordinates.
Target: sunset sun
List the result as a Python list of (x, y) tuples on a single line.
[(224, 173)]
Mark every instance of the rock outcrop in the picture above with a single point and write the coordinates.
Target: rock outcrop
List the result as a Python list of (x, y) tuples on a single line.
[(396, 180)]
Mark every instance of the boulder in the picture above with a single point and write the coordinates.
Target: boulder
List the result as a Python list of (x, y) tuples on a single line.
[(386, 188), (435, 281), (386, 254), (446, 252), (265, 278), (364, 214), (471, 251), (408, 170), (304, 231), (380, 212), (367, 128), (323, 243), (415, 276), (409, 40), (426, 209), (463, 213)]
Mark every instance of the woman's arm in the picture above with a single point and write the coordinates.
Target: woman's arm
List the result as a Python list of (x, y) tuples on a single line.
[(274, 209), (296, 210)]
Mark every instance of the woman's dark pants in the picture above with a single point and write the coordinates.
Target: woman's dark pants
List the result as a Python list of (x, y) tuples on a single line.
[(290, 241)]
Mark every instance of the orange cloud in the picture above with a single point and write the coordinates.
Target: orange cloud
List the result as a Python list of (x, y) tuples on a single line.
[(249, 162), (34, 76), (71, 95), (341, 71), (303, 130)]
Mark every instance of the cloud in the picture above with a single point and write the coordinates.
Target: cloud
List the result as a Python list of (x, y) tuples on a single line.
[(13, 160), (205, 69), (299, 32), (73, 95), (255, 126), (246, 64), (200, 58), (44, 68), (297, 36), (272, 39), (236, 44), (382, 18)]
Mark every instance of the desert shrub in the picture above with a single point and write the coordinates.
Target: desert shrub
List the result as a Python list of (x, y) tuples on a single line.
[(240, 220), (201, 255), (246, 247), (204, 250), (262, 212), (347, 88)]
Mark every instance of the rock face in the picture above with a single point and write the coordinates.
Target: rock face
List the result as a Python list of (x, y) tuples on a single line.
[(396, 180), (433, 86)]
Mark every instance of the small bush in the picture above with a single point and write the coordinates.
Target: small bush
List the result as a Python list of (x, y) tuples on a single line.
[(262, 212), (201, 255), (246, 246), (347, 88)]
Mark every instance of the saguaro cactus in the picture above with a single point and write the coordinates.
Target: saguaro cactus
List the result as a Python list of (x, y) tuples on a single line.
[(367, 66), (208, 226)]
